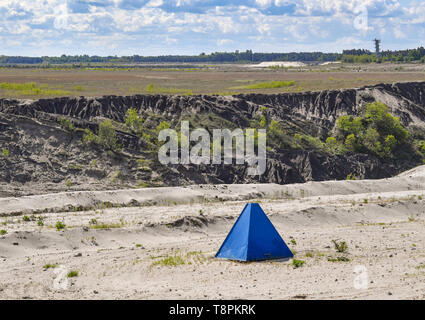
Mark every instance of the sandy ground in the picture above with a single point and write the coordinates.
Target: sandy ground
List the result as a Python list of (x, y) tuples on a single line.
[(160, 243), (218, 79)]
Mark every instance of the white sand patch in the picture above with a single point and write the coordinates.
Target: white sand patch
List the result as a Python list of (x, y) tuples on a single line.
[(282, 64), (330, 62)]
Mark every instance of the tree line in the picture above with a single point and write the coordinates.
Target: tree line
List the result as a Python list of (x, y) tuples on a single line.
[(217, 57), (365, 56), (348, 56)]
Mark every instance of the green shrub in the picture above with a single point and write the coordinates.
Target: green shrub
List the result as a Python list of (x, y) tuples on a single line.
[(150, 88), (107, 135), (371, 140), (307, 142), (89, 137), (274, 130), (390, 144), (5, 152), (377, 116), (351, 176), (376, 131), (351, 142), (169, 261), (66, 125), (133, 121), (277, 135), (3, 232), (72, 274), (309, 254), (347, 125), (163, 125), (340, 246), (60, 225), (297, 263), (332, 144)]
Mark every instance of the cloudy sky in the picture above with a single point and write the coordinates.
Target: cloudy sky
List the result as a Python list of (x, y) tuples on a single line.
[(156, 27)]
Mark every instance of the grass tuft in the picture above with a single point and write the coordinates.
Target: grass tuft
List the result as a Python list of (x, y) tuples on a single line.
[(340, 246), (297, 263), (60, 225), (72, 274), (266, 85)]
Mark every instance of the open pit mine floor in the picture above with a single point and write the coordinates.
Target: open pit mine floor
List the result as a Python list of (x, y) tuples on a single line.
[(160, 243)]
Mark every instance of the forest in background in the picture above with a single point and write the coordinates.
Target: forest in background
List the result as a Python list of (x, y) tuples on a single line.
[(248, 56)]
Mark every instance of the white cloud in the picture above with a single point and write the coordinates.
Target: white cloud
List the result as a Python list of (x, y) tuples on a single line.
[(264, 3), (155, 3), (222, 42), (196, 25), (398, 33)]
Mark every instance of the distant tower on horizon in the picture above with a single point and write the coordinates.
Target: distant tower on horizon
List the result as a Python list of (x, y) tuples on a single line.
[(377, 48)]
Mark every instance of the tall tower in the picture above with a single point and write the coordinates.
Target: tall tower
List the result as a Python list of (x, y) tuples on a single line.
[(377, 48)]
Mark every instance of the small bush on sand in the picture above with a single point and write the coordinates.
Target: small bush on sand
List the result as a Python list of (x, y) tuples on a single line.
[(297, 263), (340, 246), (72, 274), (49, 265), (171, 261), (338, 259), (60, 225)]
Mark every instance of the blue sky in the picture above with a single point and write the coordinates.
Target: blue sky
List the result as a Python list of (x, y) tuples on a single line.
[(159, 27)]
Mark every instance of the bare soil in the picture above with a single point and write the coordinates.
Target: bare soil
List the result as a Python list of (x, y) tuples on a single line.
[(212, 80)]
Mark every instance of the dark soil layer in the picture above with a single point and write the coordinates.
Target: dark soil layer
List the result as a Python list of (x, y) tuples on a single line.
[(45, 157)]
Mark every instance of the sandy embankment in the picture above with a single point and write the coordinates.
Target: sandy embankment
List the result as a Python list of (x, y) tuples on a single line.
[(282, 64), (124, 244)]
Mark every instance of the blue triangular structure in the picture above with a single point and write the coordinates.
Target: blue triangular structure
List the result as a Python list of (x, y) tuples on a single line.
[(253, 237)]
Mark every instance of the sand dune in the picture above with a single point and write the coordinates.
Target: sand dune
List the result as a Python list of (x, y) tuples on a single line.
[(160, 243)]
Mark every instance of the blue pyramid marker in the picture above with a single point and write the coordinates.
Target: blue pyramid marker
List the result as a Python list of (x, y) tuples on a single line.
[(253, 237)]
